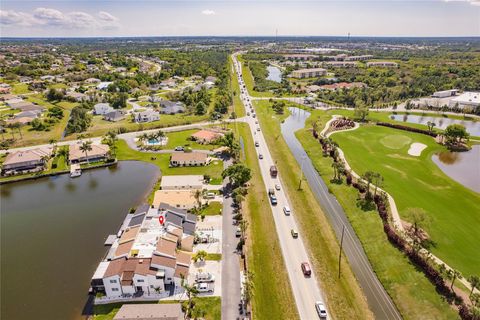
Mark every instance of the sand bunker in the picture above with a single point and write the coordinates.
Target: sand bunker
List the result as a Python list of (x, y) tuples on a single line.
[(416, 149)]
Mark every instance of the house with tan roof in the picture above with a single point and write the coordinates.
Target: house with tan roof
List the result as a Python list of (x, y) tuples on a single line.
[(206, 136), (99, 152), (26, 161), (182, 182), (188, 159)]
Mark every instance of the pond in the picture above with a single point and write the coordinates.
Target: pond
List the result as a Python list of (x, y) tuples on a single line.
[(52, 235), (473, 127), (274, 74), (463, 167)]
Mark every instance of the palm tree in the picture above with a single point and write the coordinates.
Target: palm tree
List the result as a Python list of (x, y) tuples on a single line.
[(200, 255), (85, 147), (63, 152), (453, 275), (191, 291), (474, 282), (111, 141)]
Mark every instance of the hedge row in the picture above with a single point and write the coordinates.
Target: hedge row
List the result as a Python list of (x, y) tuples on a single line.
[(407, 128)]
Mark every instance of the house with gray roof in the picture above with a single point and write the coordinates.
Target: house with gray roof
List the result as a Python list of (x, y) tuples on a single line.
[(102, 109), (146, 116), (114, 116), (171, 107)]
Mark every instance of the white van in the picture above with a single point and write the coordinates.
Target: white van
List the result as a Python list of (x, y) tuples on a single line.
[(286, 210), (204, 277)]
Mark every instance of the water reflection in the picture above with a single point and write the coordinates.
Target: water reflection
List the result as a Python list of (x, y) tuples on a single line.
[(274, 74), (463, 167), (473, 127)]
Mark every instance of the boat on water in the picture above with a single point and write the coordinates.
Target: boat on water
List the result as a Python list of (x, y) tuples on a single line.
[(75, 171)]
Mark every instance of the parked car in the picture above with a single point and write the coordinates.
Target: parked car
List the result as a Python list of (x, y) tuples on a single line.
[(204, 277), (179, 148), (322, 312), (286, 210), (204, 287), (294, 233), (307, 272)]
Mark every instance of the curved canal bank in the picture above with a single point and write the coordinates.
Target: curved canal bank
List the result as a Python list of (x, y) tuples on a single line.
[(52, 235)]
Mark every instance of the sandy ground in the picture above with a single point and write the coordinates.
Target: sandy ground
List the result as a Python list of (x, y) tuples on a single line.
[(416, 149)]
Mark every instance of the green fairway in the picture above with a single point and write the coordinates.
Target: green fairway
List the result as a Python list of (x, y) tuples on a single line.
[(418, 182)]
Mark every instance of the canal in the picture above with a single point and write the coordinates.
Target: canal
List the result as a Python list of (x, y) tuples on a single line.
[(52, 235)]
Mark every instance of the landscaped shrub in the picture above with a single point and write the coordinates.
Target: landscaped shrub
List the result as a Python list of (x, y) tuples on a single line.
[(406, 128)]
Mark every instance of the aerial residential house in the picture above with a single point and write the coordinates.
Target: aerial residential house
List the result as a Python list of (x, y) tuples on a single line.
[(341, 64), (25, 80), (169, 83), (7, 96), (26, 161), (92, 80), (24, 105), (466, 100), (48, 78), (206, 136), (309, 73), (99, 152), (211, 79), (151, 311), (146, 116), (25, 117), (182, 182), (77, 96), (103, 85), (359, 58), (445, 93), (102, 108), (188, 159), (5, 88), (382, 64), (171, 107), (114, 116), (180, 199)]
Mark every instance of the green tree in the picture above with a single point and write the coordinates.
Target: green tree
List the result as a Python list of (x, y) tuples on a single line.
[(229, 141), (201, 255), (453, 275), (361, 113), (238, 173), (456, 133), (63, 152), (474, 282), (200, 108)]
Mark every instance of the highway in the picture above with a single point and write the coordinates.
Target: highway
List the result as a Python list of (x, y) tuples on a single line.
[(306, 290)]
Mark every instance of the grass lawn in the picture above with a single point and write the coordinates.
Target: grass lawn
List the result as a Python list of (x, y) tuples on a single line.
[(212, 306), (20, 88), (58, 86), (250, 82), (214, 208), (418, 182), (272, 295), (124, 152), (344, 296), (413, 294), (181, 138), (214, 256)]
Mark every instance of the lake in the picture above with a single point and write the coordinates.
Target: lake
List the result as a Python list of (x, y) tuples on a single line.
[(463, 167), (52, 235), (473, 127), (274, 74)]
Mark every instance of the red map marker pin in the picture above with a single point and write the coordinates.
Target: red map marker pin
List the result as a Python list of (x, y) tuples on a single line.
[(161, 219)]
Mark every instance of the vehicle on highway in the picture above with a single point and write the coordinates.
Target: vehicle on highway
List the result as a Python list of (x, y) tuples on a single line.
[(260, 156), (253, 115), (273, 171), (273, 200), (256, 122), (204, 287), (277, 187), (307, 271), (286, 210), (257, 144), (204, 277), (294, 233), (179, 148), (320, 307), (258, 129), (238, 233), (248, 113)]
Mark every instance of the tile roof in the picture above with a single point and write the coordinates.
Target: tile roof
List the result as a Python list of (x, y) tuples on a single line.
[(189, 156)]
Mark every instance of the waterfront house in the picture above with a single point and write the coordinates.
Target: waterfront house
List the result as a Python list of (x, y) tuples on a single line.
[(26, 161), (182, 182), (182, 199), (102, 108), (99, 152), (206, 136), (150, 311), (146, 116), (187, 159)]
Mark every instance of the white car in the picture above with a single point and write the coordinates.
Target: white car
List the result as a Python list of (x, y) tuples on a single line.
[(204, 287), (322, 312), (287, 210)]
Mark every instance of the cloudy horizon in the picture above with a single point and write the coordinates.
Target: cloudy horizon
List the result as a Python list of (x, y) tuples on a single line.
[(127, 18)]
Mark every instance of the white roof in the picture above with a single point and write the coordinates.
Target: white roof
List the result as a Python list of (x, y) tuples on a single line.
[(102, 267), (472, 98), (181, 180)]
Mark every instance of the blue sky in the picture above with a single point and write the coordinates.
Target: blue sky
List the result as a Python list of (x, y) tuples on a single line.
[(248, 17)]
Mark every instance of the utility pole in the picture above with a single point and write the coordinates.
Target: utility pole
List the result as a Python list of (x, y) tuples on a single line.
[(340, 253)]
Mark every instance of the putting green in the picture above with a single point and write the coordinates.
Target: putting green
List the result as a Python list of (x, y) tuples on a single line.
[(395, 141)]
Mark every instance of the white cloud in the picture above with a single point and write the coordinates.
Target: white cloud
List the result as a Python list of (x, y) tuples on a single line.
[(48, 17), (208, 12)]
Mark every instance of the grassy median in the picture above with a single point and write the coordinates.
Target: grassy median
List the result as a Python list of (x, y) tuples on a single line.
[(273, 298), (344, 296)]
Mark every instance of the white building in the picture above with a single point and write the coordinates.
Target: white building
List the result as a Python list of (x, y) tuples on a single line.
[(146, 116), (382, 64), (466, 99), (182, 182), (102, 109), (445, 93), (309, 73)]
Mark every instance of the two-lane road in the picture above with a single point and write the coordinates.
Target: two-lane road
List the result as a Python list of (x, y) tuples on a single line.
[(305, 289)]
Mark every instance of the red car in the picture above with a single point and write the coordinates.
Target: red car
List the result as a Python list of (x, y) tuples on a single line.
[(307, 272)]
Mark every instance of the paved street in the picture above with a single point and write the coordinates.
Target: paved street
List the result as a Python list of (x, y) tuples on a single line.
[(231, 294), (305, 290)]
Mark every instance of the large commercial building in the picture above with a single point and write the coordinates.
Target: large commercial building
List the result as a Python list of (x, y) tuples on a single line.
[(309, 73), (445, 93), (466, 100)]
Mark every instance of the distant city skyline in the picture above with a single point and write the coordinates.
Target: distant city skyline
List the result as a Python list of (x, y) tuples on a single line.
[(84, 18)]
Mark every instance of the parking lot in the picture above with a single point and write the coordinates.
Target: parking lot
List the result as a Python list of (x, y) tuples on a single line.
[(213, 267)]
